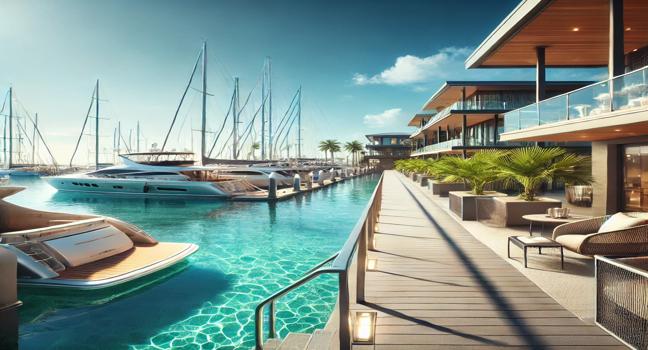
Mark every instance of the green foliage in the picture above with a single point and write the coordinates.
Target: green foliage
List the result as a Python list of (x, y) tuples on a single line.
[(354, 147), (533, 166), (477, 171)]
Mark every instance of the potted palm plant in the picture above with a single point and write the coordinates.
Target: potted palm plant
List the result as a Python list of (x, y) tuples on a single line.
[(476, 172), (530, 168), (437, 185)]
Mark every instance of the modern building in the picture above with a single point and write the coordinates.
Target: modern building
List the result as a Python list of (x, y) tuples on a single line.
[(383, 149), (612, 114), (464, 116)]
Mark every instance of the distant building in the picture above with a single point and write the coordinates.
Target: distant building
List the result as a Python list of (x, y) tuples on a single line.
[(383, 149)]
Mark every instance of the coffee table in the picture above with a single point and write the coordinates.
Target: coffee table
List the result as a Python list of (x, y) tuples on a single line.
[(525, 242), (545, 219)]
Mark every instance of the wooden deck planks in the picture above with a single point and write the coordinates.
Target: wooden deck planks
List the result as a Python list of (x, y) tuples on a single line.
[(437, 287)]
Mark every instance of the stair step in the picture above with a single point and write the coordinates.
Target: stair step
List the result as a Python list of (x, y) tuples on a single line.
[(295, 341), (321, 340), (272, 344)]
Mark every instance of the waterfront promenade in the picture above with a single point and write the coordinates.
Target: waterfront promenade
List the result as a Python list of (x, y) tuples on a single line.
[(435, 286)]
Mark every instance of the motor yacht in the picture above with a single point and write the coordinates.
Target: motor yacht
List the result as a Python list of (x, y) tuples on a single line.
[(168, 174), (258, 176), (80, 251)]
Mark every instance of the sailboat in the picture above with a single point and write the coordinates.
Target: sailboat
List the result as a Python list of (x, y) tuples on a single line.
[(154, 174), (21, 166)]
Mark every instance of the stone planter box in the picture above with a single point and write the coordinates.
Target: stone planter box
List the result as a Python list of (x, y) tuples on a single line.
[(508, 211), (442, 189), (464, 203)]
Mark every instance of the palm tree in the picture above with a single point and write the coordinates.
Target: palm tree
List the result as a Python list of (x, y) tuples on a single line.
[(533, 166), (330, 146), (477, 171), (353, 147), (324, 147)]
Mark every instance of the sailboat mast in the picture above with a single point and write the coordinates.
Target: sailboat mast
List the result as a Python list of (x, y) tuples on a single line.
[(97, 126), (10, 128), (138, 137), (299, 138), (270, 108), (235, 112), (203, 145), (33, 158), (263, 109)]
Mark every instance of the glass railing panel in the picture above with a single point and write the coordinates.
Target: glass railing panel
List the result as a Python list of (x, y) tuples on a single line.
[(631, 90), (553, 110), (512, 121), (589, 101), (529, 116)]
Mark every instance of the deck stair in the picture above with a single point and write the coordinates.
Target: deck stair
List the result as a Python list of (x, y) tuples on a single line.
[(319, 340)]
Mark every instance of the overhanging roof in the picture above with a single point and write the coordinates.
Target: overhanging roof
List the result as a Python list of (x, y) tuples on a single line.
[(552, 24), (450, 91), (416, 119), (388, 134)]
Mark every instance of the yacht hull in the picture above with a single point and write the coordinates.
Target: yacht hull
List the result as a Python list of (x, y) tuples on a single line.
[(136, 187)]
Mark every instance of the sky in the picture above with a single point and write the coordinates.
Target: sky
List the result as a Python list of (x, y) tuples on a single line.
[(364, 66)]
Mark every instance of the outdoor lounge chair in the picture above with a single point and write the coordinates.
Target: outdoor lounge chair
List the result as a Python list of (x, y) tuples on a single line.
[(583, 238)]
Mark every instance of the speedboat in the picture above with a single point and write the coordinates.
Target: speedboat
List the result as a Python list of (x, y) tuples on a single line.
[(155, 175), (80, 251)]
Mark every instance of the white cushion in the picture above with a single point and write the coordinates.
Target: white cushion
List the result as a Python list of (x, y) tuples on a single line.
[(621, 221)]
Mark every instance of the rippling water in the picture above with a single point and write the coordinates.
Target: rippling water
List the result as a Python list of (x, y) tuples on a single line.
[(247, 251)]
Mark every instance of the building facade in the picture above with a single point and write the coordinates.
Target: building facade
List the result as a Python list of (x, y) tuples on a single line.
[(385, 148), (611, 114)]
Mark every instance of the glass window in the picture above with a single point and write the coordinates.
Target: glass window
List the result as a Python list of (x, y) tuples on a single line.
[(635, 177)]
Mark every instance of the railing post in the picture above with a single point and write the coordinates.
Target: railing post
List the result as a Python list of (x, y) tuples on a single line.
[(258, 331), (362, 265), (345, 327), (370, 228), (272, 330)]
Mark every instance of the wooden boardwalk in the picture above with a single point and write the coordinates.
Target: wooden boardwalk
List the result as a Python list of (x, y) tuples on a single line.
[(437, 287)]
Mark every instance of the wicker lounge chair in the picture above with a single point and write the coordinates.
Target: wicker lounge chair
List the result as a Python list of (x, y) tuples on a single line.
[(583, 238)]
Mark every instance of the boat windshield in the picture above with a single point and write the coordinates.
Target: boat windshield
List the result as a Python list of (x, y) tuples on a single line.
[(162, 158)]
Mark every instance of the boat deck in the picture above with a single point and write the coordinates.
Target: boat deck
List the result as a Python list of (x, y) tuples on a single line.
[(138, 258), (435, 286), (285, 193)]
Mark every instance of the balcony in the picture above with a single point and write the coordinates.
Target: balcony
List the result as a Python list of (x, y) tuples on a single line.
[(609, 109)]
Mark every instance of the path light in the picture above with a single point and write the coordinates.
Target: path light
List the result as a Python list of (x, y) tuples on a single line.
[(364, 327), (371, 264)]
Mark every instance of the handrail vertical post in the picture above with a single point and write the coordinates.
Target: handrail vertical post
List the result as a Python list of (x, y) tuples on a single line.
[(345, 331), (258, 330), (370, 228), (272, 329), (362, 265)]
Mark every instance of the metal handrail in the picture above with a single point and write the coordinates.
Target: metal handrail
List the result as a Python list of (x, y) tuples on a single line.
[(360, 240)]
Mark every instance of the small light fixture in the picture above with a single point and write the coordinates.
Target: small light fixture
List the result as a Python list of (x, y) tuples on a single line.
[(628, 29), (617, 130), (635, 50), (575, 29), (364, 327), (371, 264)]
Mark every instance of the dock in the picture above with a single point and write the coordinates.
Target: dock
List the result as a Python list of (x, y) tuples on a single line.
[(435, 286), (289, 192)]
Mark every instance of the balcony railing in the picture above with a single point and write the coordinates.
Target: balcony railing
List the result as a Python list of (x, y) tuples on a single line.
[(629, 91), (470, 142)]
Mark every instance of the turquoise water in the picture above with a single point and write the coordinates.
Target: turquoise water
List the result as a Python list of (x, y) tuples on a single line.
[(247, 251)]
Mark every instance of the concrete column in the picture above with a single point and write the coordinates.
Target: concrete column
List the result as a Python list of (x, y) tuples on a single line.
[(496, 118), (541, 79)]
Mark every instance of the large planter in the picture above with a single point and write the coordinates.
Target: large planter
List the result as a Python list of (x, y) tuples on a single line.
[(464, 203), (423, 180), (508, 211), (442, 189)]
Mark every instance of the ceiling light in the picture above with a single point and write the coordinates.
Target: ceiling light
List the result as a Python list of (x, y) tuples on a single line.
[(628, 29), (575, 29), (635, 50), (617, 130)]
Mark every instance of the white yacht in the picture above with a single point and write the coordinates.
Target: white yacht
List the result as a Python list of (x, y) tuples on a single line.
[(167, 174), (80, 251), (255, 175)]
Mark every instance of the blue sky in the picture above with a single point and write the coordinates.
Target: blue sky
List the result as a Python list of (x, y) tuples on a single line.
[(365, 66)]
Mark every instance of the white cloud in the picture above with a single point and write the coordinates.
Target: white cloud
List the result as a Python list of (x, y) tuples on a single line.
[(410, 69), (383, 119)]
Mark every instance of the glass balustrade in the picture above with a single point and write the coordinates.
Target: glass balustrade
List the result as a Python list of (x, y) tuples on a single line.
[(629, 91)]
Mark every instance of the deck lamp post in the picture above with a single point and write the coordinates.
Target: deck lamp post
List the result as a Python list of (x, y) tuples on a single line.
[(364, 327)]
